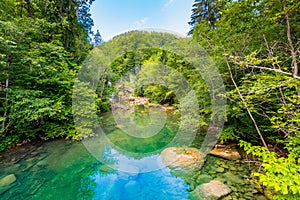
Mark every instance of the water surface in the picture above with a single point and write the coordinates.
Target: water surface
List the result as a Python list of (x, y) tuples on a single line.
[(116, 166), (124, 168)]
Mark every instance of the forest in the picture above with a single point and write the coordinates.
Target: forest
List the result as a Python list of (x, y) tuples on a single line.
[(255, 45)]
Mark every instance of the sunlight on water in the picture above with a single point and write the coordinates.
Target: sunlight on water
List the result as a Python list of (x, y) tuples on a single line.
[(66, 170), (121, 167)]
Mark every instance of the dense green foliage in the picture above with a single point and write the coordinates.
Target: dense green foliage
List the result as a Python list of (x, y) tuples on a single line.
[(138, 54), (148, 62), (255, 44), (42, 45)]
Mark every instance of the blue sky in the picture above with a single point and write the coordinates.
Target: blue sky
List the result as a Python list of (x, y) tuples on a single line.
[(113, 17)]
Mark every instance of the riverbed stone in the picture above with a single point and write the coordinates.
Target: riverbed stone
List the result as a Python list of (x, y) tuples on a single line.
[(229, 154), (185, 158), (254, 191), (203, 178), (224, 166), (227, 198), (7, 182), (29, 160), (260, 197), (220, 169), (42, 162), (248, 195), (213, 190), (233, 178), (240, 169)]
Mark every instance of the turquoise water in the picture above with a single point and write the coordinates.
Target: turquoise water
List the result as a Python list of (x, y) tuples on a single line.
[(115, 166), (67, 170)]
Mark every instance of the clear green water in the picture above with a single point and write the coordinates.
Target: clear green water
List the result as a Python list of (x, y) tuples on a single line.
[(66, 170), (125, 168)]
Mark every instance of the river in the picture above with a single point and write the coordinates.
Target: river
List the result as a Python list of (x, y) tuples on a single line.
[(124, 168)]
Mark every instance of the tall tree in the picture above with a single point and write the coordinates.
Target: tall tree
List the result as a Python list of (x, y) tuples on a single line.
[(206, 11), (97, 39), (41, 45), (258, 40)]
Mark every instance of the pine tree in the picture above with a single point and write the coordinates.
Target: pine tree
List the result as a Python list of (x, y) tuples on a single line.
[(97, 39), (206, 10)]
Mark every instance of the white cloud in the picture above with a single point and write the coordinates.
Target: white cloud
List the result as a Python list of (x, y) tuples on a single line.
[(140, 22), (168, 3)]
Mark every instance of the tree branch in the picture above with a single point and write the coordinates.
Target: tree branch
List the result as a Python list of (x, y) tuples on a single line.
[(246, 106), (274, 70)]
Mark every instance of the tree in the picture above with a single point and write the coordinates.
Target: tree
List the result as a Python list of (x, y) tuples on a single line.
[(259, 43), (206, 10), (41, 45), (97, 39)]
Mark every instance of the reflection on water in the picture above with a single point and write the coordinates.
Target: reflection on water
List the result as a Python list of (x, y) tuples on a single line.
[(118, 166), (66, 170), (63, 170), (130, 182)]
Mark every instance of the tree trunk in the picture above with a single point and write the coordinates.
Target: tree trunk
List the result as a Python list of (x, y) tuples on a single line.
[(28, 8), (292, 49), (6, 90)]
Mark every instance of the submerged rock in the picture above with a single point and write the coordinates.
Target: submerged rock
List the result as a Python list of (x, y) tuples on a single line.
[(7, 182), (203, 178), (185, 158), (229, 154), (233, 178), (220, 169), (213, 190)]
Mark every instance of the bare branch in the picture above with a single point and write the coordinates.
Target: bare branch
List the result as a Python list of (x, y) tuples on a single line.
[(274, 70), (246, 106)]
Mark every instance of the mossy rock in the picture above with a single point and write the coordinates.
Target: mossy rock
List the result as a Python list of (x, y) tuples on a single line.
[(185, 158), (203, 178), (229, 154), (213, 190), (7, 182)]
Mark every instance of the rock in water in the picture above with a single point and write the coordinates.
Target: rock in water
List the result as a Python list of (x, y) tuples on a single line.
[(204, 178), (226, 153), (213, 190), (185, 158), (233, 178), (7, 182)]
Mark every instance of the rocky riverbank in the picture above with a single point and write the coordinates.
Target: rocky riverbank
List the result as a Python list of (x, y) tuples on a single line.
[(221, 175)]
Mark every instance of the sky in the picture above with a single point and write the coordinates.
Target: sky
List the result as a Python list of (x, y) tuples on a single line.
[(113, 17)]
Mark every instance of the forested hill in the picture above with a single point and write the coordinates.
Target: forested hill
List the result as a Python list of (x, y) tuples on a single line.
[(42, 44)]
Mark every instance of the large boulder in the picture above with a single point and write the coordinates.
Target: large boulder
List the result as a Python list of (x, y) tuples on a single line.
[(7, 182), (213, 190), (184, 158), (228, 154)]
